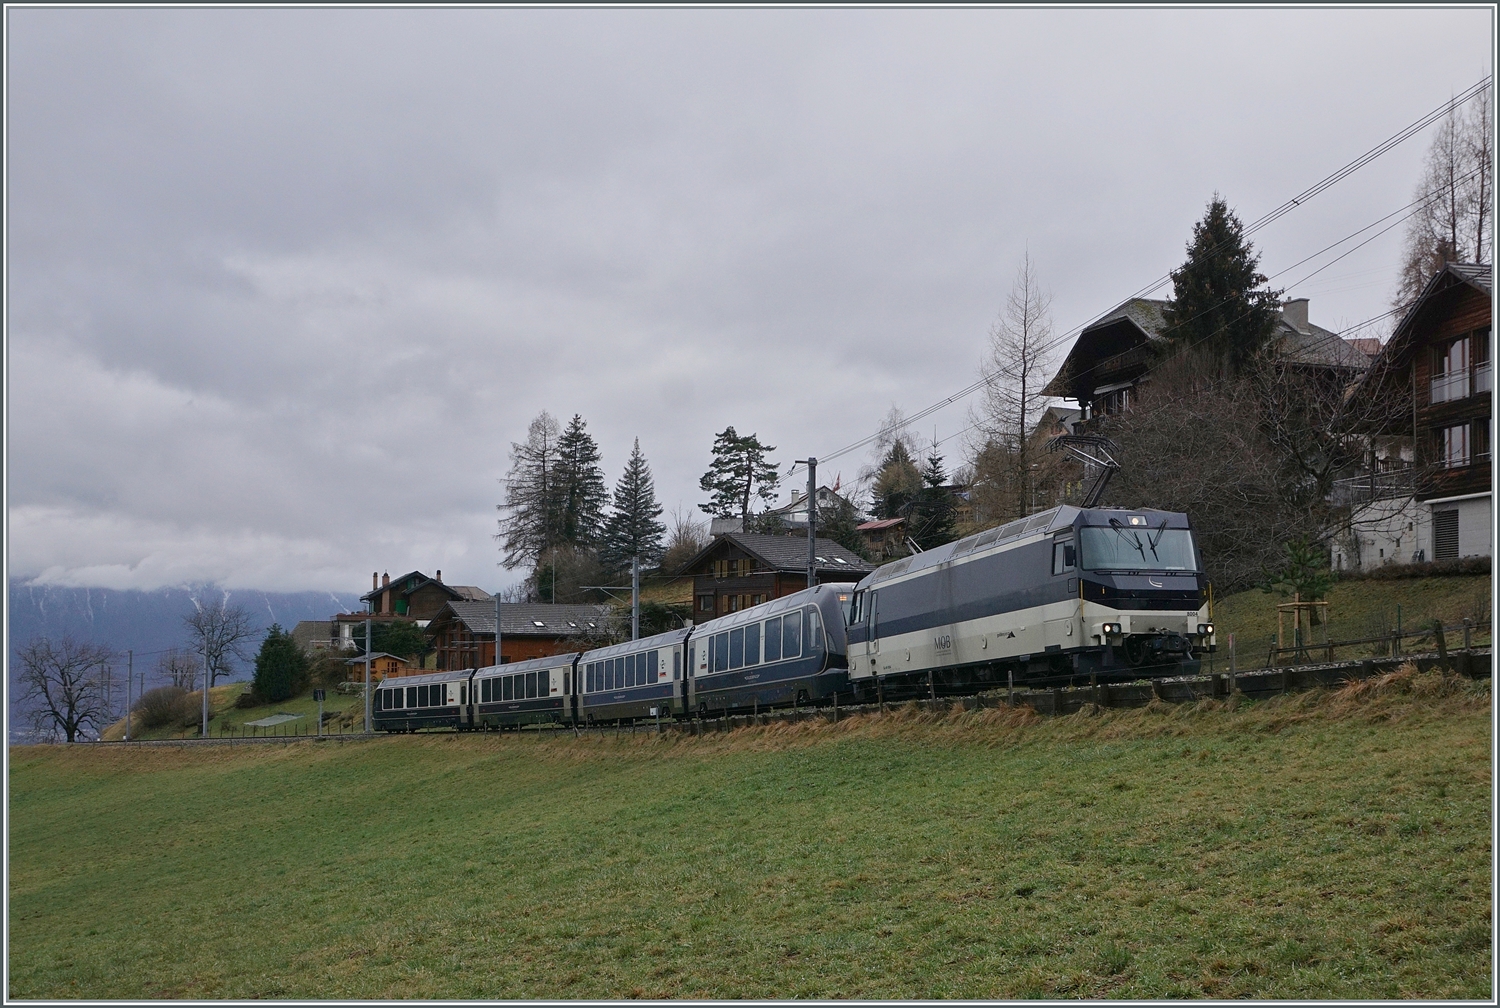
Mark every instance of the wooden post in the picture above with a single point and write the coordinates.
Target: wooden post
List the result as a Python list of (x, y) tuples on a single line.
[(1011, 675), (1232, 667), (1442, 645), (835, 708), (1094, 682), (931, 685), (1468, 634)]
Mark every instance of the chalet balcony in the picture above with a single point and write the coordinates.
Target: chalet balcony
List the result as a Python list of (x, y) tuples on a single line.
[(1357, 490), (1460, 384)]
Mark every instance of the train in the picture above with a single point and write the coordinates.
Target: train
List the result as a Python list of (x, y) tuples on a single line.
[(1066, 595)]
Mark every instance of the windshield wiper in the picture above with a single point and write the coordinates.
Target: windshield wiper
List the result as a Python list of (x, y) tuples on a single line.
[(1153, 540), (1119, 528)]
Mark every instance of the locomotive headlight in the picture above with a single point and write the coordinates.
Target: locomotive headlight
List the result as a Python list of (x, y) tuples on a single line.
[(1112, 629), (1205, 629)]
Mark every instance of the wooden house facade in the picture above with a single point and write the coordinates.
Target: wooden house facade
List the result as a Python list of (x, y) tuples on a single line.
[(740, 569), (463, 633)]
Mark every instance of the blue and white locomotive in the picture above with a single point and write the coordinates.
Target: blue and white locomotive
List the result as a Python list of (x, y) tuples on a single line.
[(1065, 594)]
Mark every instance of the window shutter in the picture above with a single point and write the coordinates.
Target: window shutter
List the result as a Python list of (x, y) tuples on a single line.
[(1445, 535)]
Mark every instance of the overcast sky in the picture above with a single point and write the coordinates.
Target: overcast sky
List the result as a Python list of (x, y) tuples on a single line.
[(284, 285)]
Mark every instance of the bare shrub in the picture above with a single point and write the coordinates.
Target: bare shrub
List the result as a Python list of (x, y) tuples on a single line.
[(163, 705)]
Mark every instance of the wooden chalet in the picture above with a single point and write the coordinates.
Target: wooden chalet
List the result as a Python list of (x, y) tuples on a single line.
[(416, 596), (463, 633), (1426, 407), (884, 538), (382, 666), (1112, 357), (741, 569)]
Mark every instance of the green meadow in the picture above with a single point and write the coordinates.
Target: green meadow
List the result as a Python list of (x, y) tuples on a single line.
[(1331, 844)]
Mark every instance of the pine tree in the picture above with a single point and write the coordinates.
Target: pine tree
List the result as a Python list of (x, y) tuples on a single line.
[(1220, 307), (632, 529), (582, 494), (280, 667), (531, 519), (897, 483), (739, 471), (932, 517)]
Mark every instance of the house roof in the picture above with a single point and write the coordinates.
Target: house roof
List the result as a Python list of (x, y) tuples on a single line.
[(883, 523), (376, 654), (1317, 347), (787, 554), (529, 619), (1144, 314), (470, 593)]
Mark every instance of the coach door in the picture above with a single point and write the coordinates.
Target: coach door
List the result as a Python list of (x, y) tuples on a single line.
[(873, 600)]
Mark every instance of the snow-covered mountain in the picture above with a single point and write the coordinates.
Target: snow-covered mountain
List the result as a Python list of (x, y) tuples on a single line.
[(144, 621)]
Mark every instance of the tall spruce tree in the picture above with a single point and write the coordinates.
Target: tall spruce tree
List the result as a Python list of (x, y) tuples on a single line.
[(582, 494), (933, 517), (632, 529), (738, 472), (1220, 307)]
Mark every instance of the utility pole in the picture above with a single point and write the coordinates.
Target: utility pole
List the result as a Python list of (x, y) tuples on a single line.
[(635, 598), (129, 680), (369, 644), (204, 730), (812, 518)]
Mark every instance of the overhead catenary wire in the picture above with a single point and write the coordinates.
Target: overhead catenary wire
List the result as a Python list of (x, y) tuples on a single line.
[(1266, 219)]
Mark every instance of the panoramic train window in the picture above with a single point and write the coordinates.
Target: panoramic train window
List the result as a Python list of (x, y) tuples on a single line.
[(752, 644), (1121, 547), (507, 688), (721, 653), (791, 636), (773, 639), (676, 664), (737, 648), (531, 685), (814, 631), (411, 696)]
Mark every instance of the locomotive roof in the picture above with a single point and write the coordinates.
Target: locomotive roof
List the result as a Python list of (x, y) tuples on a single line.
[(660, 640), (1041, 523), (529, 665)]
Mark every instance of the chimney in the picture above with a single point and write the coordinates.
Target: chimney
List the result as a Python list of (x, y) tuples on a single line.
[(386, 580), (374, 580), (1295, 313), (440, 576)]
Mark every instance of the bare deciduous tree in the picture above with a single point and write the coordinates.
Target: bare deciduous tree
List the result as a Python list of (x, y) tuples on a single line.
[(1453, 224), (180, 668), (220, 633), (63, 686), (687, 537), (1015, 370)]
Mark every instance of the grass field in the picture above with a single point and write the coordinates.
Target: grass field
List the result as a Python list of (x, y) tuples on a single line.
[(1318, 845)]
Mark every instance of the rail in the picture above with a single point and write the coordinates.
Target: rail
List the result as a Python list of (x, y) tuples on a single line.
[(1307, 652)]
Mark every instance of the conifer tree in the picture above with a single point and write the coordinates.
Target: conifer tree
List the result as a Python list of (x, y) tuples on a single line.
[(632, 529), (582, 494), (280, 667), (738, 472), (932, 518), (1220, 306)]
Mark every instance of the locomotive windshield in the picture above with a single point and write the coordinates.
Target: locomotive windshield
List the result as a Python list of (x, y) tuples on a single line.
[(1120, 547)]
